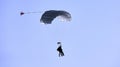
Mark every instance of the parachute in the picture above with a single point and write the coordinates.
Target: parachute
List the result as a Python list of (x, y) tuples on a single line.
[(47, 18), (50, 15)]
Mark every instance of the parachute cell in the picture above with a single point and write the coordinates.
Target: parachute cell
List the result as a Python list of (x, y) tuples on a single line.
[(49, 16)]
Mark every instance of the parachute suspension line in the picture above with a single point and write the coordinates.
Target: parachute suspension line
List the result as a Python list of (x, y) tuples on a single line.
[(22, 13)]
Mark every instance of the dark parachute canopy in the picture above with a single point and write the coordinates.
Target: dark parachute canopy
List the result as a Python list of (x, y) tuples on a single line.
[(50, 15)]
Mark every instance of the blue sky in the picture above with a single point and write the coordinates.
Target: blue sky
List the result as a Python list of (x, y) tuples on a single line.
[(91, 39)]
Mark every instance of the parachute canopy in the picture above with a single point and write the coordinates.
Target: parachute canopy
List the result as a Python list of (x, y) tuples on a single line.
[(50, 15)]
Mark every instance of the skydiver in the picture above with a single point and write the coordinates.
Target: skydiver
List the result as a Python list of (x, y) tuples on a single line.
[(59, 49)]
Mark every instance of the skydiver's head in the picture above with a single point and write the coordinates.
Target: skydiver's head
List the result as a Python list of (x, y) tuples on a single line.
[(58, 42)]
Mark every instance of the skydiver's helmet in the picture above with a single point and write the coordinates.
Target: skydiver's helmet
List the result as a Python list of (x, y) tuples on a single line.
[(58, 42)]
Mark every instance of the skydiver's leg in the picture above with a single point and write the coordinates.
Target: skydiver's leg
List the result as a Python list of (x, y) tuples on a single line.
[(59, 54), (62, 54)]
